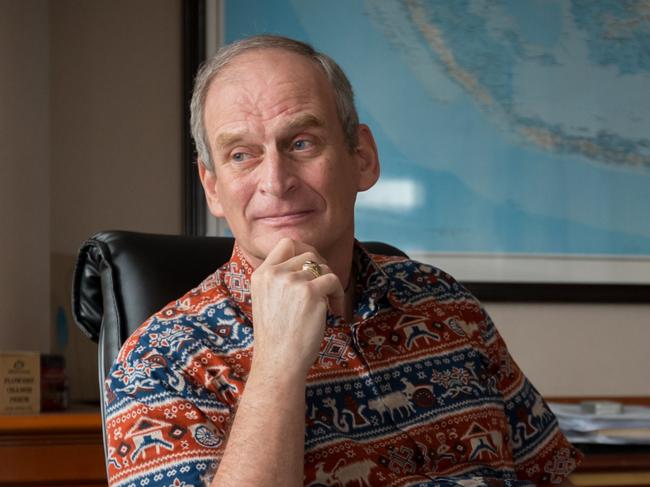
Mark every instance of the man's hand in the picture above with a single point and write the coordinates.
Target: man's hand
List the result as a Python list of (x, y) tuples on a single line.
[(289, 313), (290, 307)]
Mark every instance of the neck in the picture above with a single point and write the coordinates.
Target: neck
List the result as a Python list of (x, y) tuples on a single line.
[(340, 261)]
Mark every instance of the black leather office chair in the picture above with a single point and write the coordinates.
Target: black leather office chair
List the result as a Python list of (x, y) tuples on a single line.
[(122, 278)]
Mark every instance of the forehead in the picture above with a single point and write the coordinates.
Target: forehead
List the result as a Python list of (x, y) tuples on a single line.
[(261, 85)]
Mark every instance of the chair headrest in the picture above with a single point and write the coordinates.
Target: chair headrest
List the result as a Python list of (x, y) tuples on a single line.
[(127, 276)]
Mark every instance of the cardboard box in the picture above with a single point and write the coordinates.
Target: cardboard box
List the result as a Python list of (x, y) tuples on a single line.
[(20, 382)]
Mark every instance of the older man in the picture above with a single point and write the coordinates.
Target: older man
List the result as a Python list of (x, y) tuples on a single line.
[(305, 359)]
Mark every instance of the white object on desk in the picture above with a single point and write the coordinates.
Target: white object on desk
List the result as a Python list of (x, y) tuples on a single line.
[(629, 426)]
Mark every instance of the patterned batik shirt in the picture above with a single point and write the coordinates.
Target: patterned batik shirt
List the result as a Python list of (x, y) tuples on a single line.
[(419, 390)]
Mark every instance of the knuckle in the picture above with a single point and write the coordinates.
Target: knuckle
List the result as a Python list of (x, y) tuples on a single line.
[(327, 277), (310, 256)]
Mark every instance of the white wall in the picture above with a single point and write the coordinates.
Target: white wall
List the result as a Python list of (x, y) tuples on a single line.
[(116, 137), (116, 118), (24, 175), (90, 139), (579, 349)]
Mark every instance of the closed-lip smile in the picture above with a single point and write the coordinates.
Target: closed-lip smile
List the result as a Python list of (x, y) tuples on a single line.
[(283, 218)]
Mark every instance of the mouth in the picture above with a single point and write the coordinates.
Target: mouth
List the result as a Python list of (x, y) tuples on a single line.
[(285, 218)]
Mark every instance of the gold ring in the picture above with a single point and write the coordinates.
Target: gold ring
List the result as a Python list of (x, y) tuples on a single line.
[(313, 267)]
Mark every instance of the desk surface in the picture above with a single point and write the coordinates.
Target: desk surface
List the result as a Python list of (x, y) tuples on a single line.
[(85, 421)]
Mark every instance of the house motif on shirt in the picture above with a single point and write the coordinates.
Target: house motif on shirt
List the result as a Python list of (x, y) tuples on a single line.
[(415, 327), (147, 433), (482, 442)]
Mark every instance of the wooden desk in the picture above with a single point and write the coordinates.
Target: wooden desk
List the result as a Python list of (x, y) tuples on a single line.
[(52, 449)]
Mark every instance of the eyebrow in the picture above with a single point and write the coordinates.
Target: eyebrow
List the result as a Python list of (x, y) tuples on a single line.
[(228, 138), (303, 121)]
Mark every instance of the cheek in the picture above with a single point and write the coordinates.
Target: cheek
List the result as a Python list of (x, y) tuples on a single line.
[(331, 174), (340, 182), (235, 194)]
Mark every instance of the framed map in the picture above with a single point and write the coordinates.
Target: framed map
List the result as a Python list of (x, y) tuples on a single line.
[(514, 135)]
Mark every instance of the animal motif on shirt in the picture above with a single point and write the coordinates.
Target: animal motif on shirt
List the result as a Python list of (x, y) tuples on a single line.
[(345, 420), (379, 342), (539, 410), (415, 328), (343, 474), (461, 327), (395, 402)]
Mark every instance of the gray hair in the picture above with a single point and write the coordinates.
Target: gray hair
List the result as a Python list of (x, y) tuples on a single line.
[(343, 93)]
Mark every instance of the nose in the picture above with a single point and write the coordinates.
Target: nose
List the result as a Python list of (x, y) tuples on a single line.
[(276, 174)]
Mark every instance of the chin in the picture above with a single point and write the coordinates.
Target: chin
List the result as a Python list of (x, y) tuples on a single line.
[(263, 244), (296, 235)]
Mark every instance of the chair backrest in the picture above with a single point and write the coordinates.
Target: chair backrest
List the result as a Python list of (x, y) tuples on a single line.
[(121, 278)]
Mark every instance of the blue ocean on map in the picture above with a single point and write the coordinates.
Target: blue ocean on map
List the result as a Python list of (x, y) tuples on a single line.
[(503, 126)]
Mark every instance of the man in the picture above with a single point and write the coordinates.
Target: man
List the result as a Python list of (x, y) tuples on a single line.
[(305, 360)]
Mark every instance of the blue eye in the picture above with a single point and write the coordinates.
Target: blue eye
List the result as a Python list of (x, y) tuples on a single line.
[(239, 156), (301, 144)]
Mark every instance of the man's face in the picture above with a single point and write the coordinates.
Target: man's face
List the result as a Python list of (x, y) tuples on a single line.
[(282, 167)]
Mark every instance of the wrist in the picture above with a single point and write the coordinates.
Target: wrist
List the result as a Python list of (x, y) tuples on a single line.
[(281, 364), (277, 375)]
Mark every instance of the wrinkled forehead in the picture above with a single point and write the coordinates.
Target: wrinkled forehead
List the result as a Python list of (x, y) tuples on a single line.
[(264, 83), (270, 69)]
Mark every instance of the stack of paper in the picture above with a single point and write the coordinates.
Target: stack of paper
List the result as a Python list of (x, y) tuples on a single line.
[(630, 426)]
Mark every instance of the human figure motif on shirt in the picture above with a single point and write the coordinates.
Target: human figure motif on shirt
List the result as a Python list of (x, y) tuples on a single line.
[(305, 360)]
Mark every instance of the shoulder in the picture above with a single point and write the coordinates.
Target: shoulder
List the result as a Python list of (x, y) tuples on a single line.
[(414, 279), (204, 318), (425, 287)]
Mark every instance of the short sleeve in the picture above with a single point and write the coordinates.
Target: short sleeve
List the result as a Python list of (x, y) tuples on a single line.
[(541, 452), (163, 426)]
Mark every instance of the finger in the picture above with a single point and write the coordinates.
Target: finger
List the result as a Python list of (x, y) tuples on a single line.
[(330, 286), (323, 269), (295, 263), (283, 250)]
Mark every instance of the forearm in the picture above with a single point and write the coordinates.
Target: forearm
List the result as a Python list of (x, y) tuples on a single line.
[(265, 446)]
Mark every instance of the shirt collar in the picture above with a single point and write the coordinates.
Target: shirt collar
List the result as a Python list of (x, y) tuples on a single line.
[(236, 277), (374, 285)]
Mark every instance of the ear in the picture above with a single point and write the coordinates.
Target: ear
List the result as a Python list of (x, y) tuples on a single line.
[(209, 183), (367, 158)]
